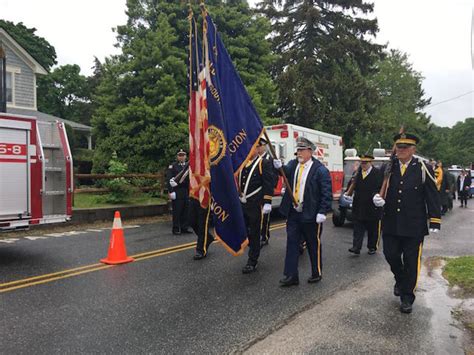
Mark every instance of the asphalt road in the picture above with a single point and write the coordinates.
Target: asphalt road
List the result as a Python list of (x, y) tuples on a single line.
[(165, 302)]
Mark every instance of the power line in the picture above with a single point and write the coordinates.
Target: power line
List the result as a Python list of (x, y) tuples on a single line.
[(451, 99)]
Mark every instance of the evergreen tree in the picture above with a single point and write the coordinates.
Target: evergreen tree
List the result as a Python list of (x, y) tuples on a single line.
[(142, 97), (324, 60)]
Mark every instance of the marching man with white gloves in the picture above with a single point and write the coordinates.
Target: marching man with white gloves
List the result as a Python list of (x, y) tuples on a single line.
[(411, 199), (255, 182), (310, 183)]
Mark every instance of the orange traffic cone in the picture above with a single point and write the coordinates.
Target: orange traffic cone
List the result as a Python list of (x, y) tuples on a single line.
[(117, 252)]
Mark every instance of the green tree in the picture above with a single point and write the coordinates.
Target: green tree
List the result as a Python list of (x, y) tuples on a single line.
[(324, 59), (402, 98), (38, 47), (66, 93), (142, 95)]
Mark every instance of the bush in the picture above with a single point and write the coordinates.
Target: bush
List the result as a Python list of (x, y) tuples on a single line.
[(120, 188)]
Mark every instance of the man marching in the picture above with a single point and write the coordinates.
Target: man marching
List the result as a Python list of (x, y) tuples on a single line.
[(255, 182), (411, 198), (311, 184), (178, 188), (366, 216)]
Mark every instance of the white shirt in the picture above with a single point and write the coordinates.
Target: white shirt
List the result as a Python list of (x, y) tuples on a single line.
[(461, 182), (307, 167)]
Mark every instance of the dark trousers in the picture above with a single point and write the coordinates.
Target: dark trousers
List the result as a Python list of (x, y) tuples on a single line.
[(298, 231), (265, 232), (253, 222), (199, 222), (404, 257), (463, 197), (180, 214), (373, 234)]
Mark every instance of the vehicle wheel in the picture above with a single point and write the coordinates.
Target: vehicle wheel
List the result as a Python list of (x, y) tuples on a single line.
[(338, 218)]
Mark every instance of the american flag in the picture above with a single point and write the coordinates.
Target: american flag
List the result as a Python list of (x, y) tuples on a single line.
[(200, 175)]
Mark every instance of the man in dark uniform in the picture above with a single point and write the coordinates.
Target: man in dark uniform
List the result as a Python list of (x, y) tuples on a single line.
[(411, 199), (199, 220), (265, 231), (366, 216), (311, 184), (178, 189), (464, 185), (255, 183)]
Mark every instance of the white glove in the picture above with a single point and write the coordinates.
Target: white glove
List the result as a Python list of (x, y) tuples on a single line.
[(283, 191), (172, 196), (347, 198), (378, 201), (320, 218), (173, 183), (277, 164), (267, 208), (434, 230)]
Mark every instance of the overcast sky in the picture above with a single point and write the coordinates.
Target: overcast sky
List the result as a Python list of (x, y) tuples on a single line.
[(436, 35)]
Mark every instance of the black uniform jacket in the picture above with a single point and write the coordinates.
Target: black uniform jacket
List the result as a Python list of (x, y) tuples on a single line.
[(175, 170), (467, 183), (363, 208), (317, 191), (410, 202), (262, 176)]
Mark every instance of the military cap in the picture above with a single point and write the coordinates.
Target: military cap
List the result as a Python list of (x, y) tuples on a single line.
[(366, 157), (181, 152), (304, 143), (406, 139), (262, 141)]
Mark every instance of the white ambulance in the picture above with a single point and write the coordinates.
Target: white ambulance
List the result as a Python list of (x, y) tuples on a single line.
[(36, 174), (328, 151)]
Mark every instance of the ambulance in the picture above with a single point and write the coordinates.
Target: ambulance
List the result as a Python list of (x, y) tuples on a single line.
[(36, 173), (328, 151)]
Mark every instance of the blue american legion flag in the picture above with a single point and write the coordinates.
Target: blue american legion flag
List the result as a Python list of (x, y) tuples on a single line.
[(234, 130)]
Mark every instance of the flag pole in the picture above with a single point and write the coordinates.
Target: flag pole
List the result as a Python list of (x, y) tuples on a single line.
[(282, 172)]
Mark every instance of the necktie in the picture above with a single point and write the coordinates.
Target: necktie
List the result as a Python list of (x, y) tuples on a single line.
[(298, 182), (364, 174), (403, 168)]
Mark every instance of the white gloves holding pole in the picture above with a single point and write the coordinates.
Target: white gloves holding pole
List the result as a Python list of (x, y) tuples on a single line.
[(277, 164), (172, 196), (173, 183), (267, 208), (378, 200), (320, 218)]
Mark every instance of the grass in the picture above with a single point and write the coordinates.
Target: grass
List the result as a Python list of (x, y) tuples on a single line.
[(460, 272), (99, 200)]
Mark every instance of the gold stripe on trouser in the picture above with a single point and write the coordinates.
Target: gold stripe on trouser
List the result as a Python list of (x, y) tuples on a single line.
[(206, 230), (318, 235), (418, 267), (379, 230)]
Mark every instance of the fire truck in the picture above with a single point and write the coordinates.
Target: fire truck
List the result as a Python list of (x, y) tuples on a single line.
[(36, 173), (328, 151)]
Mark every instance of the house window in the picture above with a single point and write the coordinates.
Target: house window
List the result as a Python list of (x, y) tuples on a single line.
[(9, 87)]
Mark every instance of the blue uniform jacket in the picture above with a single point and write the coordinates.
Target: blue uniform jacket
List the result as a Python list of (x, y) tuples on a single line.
[(317, 191)]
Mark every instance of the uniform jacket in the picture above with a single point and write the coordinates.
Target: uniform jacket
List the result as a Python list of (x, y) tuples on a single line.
[(467, 183), (317, 191), (410, 202), (363, 208), (275, 172), (174, 170), (262, 176)]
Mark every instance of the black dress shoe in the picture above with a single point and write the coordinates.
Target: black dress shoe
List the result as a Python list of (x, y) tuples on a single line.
[(314, 279), (186, 231), (263, 243), (248, 269), (396, 291), (406, 307), (199, 256), (354, 250), (176, 232), (289, 281), (372, 251)]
